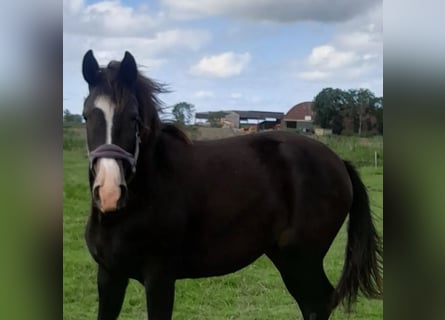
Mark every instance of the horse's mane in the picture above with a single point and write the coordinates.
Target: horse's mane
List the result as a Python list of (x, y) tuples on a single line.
[(148, 87), (147, 91)]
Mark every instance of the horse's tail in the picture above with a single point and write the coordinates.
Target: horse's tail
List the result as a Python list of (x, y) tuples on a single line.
[(364, 252)]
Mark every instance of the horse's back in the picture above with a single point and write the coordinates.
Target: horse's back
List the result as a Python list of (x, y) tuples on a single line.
[(273, 151)]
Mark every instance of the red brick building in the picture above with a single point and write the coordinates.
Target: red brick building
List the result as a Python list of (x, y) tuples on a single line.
[(299, 118)]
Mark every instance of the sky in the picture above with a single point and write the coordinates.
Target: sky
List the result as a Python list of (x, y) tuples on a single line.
[(220, 55)]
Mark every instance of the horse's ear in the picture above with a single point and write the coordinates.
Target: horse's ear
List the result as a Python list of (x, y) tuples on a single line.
[(128, 71), (90, 68)]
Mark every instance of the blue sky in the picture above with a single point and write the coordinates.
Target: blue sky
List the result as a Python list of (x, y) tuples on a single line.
[(247, 55)]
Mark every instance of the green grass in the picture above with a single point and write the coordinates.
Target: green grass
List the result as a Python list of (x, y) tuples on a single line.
[(255, 292), (359, 150)]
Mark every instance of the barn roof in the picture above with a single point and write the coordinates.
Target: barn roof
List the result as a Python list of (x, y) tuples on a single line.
[(300, 111), (201, 115), (260, 115)]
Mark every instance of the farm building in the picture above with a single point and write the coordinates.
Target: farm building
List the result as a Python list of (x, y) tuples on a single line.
[(299, 118), (261, 120), (201, 118), (231, 119)]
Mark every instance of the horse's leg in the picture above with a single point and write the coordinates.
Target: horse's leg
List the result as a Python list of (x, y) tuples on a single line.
[(160, 292), (306, 281), (111, 294)]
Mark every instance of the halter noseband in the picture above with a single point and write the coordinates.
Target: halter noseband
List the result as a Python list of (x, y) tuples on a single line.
[(113, 151)]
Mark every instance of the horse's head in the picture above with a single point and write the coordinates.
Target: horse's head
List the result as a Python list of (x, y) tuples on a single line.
[(115, 120)]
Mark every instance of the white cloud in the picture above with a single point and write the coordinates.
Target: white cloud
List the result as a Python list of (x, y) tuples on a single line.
[(236, 95), (369, 56), (327, 57), (149, 51), (327, 62), (355, 39), (350, 57), (270, 10), (204, 94), (314, 75), (110, 27), (73, 6), (224, 65), (363, 34), (108, 18)]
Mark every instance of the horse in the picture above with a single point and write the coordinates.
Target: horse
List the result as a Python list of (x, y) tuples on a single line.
[(164, 207)]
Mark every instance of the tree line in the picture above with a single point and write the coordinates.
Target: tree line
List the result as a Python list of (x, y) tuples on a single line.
[(347, 112), (71, 118), (353, 111), (183, 112)]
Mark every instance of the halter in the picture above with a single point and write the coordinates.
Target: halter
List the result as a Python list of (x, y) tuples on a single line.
[(113, 151)]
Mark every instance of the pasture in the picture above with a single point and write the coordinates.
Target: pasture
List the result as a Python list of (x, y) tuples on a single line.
[(256, 292)]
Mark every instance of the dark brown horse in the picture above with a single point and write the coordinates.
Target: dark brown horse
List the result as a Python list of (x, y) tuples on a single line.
[(166, 208)]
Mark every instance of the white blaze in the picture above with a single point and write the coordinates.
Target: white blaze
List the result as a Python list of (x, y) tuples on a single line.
[(107, 106), (108, 175)]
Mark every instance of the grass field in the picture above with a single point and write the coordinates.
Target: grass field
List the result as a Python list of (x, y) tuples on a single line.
[(255, 292)]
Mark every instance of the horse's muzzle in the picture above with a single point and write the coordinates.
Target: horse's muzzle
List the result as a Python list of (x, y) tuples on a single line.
[(109, 190), (111, 199)]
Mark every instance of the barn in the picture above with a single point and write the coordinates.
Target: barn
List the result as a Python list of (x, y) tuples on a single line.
[(259, 120), (299, 118)]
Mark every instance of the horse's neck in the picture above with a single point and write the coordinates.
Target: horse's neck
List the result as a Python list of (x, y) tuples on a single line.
[(170, 147), (158, 158)]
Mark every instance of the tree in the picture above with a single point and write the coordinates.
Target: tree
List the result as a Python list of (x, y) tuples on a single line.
[(214, 118), (350, 111), (328, 107), (70, 118), (365, 104), (378, 105), (183, 112)]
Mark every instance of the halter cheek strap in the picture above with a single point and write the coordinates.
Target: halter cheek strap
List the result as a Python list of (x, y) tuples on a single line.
[(136, 152)]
